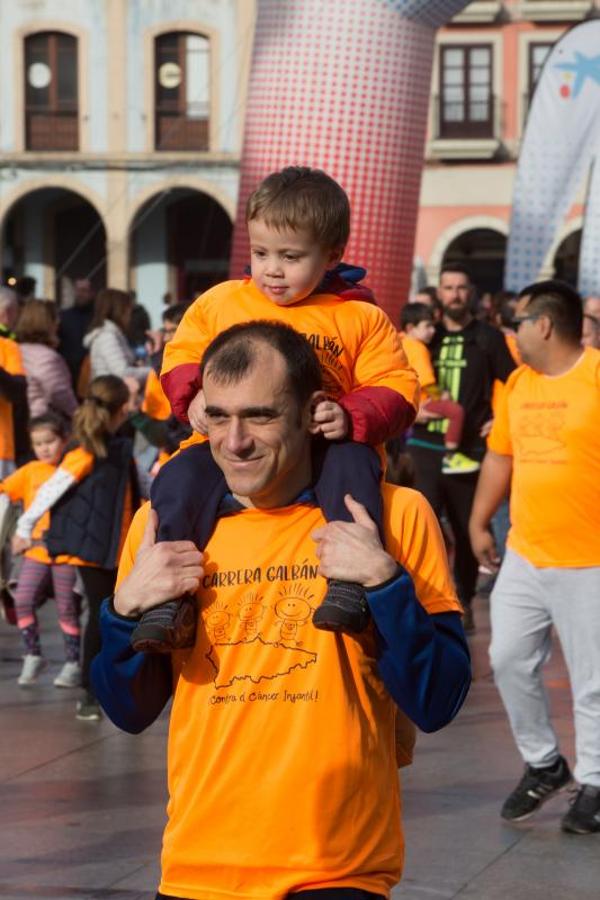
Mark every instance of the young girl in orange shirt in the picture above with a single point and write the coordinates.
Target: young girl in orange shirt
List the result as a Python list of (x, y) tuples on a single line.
[(39, 572), (92, 496)]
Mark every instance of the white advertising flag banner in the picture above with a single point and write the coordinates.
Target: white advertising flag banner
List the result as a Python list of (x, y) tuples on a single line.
[(589, 255), (561, 139)]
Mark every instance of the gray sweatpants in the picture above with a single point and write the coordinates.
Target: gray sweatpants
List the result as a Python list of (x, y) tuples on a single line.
[(525, 603)]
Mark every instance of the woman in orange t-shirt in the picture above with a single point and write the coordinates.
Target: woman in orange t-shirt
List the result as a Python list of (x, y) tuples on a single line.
[(92, 495), (48, 438)]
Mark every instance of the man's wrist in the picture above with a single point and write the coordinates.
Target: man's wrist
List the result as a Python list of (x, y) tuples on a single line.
[(115, 612), (384, 569), (124, 607)]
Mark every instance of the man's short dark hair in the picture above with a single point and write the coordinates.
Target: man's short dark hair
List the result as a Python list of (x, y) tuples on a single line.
[(456, 267), (560, 302), (175, 312), (431, 291), (232, 354), (413, 313)]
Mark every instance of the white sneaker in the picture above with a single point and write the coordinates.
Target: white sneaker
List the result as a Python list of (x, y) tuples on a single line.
[(32, 666), (69, 676)]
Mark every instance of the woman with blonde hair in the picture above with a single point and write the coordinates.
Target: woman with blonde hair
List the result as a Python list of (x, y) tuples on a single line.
[(49, 387), (92, 497), (110, 353)]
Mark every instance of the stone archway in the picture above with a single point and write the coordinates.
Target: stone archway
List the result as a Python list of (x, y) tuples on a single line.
[(56, 236), (180, 240), (483, 252)]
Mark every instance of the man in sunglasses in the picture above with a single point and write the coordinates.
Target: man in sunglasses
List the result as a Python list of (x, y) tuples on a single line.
[(545, 446)]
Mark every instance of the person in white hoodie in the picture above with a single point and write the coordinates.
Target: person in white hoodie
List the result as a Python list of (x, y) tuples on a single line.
[(110, 353)]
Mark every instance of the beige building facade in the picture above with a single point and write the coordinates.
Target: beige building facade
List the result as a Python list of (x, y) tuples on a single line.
[(120, 139)]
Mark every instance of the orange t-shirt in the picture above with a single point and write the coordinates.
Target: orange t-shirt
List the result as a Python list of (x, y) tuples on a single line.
[(549, 425), (419, 359), (22, 486), (270, 714), (10, 360), (155, 404), (498, 386), (355, 342)]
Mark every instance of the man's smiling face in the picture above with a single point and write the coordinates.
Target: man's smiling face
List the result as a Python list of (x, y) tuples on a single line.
[(258, 436)]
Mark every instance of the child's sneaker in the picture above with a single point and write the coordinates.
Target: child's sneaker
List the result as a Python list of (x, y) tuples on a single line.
[(344, 609), (88, 709), (32, 667), (69, 676), (170, 626), (459, 464)]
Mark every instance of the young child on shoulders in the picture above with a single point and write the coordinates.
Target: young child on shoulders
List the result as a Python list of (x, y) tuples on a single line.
[(39, 573), (298, 224), (418, 328)]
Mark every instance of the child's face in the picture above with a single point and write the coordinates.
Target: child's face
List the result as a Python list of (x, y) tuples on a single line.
[(287, 265), (47, 445), (422, 331)]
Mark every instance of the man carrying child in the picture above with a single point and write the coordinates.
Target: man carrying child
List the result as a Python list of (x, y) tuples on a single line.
[(298, 224)]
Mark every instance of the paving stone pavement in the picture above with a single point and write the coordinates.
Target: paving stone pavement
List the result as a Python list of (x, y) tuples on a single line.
[(82, 805)]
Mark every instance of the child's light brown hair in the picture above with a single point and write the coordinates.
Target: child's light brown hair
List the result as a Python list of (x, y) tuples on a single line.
[(107, 394), (299, 198)]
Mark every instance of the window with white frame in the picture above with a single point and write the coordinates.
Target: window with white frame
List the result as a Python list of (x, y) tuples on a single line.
[(466, 102), (537, 57), (51, 92), (182, 91)]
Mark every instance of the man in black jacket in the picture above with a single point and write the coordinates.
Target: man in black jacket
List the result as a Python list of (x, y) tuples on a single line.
[(468, 356), (73, 325)]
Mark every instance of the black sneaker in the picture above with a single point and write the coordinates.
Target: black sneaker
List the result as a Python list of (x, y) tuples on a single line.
[(535, 787), (171, 626), (584, 815), (344, 608)]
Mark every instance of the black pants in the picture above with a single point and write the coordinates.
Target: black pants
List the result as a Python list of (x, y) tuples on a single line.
[(342, 893), (188, 490), (98, 584), (452, 494)]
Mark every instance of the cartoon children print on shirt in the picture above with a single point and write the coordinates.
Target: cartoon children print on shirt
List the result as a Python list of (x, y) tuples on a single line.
[(249, 614), (217, 623), (294, 611), (273, 647)]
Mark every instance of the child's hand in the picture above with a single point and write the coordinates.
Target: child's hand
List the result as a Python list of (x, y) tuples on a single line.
[(424, 415), (197, 415), (330, 420), (19, 544)]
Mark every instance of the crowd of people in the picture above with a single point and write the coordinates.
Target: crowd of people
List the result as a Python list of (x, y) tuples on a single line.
[(81, 407), (279, 393)]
